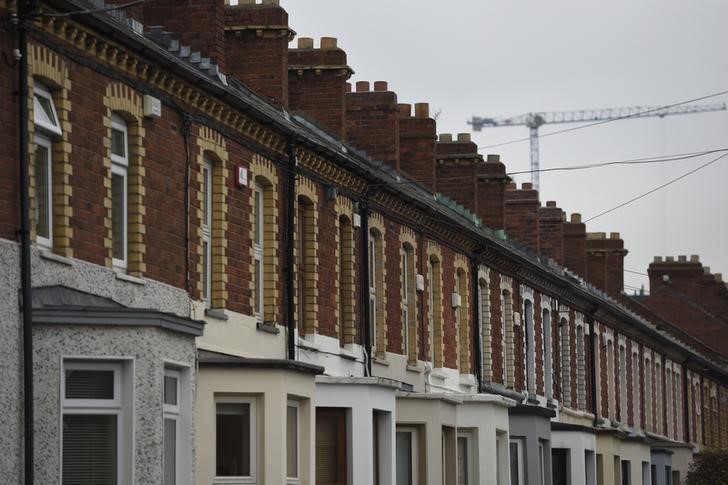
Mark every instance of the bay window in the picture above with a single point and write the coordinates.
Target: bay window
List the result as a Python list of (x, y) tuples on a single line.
[(235, 441)]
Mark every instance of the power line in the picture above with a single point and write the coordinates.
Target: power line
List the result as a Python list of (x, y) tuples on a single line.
[(657, 188), (633, 115)]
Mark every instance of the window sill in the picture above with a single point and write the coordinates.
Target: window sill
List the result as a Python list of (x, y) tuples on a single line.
[(346, 354), (216, 313), (56, 258), (414, 368), (307, 344), (381, 361), (129, 278), (268, 327)]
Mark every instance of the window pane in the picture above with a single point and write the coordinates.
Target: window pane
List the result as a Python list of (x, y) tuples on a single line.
[(515, 467), (45, 113), (170, 390), (404, 458), (42, 181), (89, 384), (89, 450), (170, 451), (257, 206), (258, 287), (205, 269), (118, 207), (118, 143), (327, 453), (462, 461), (233, 440), (292, 441)]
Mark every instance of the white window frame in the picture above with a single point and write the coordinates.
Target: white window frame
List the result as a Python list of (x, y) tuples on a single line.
[(297, 479), (469, 437), (120, 406), (41, 139), (120, 167), (259, 250), (405, 261), (175, 413), (242, 480), (372, 248), (207, 231), (431, 308), (415, 453), (40, 91), (521, 462)]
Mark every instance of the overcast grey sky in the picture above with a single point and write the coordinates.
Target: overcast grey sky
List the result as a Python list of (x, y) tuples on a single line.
[(504, 58)]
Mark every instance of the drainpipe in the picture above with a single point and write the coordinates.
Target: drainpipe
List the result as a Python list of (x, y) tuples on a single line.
[(593, 368), (477, 343), (685, 393), (663, 386), (290, 233), (25, 276), (364, 284), (702, 412)]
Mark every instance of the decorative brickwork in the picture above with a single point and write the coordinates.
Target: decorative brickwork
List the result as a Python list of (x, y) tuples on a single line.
[(212, 149), (345, 283), (306, 255), (46, 66), (376, 228), (408, 243), (127, 103), (263, 172)]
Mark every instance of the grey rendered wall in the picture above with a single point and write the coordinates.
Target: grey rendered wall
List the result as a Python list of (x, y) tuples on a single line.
[(661, 459), (85, 277), (533, 429)]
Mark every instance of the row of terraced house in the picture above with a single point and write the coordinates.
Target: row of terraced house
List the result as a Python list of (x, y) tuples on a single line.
[(231, 267)]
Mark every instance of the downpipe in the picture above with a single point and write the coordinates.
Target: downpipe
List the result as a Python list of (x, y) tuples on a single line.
[(290, 232)]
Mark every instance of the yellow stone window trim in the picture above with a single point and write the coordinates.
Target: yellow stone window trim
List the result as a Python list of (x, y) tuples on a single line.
[(462, 287), (345, 284), (47, 67), (213, 151), (307, 264), (127, 103), (408, 244), (508, 322), (377, 234), (263, 172), (435, 305), (486, 331)]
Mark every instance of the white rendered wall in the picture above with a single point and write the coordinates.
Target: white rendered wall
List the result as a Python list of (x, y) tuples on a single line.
[(577, 443), (486, 415)]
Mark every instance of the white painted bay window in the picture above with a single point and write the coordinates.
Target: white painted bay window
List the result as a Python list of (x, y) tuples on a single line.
[(407, 454), (235, 441), (119, 190), (293, 443), (177, 426), (517, 465)]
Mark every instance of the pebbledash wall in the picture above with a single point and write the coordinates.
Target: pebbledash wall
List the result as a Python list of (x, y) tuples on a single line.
[(443, 304)]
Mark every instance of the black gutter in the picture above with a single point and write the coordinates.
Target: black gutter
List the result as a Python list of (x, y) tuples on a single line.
[(364, 284), (593, 367), (686, 390), (477, 343), (290, 233), (25, 275)]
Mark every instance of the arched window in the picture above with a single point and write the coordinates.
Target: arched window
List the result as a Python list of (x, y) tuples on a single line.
[(258, 250), (580, 369), (530, 348), (305, 265), (565, 346), (648, 395), (119, 190), (408, 305), (345, 266), (611, 381), (376, 293), (485, 329), (547, 359), (507, 341), (622, 385), (434, 310), (636, 418), (462, 320)]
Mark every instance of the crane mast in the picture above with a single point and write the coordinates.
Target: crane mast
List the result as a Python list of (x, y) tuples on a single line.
[(535, 120)]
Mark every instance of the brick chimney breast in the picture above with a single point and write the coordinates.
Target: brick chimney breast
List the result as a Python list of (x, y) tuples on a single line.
[(551, 232), (417, 137), (521, 216), (491, 187), (456, 167), (575, 245)]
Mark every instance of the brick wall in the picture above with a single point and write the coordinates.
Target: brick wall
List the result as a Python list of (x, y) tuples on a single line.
[(317, 82), (372, 121), (417, 135)]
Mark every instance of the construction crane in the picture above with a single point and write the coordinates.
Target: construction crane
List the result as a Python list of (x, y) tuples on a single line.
[(535, 120)]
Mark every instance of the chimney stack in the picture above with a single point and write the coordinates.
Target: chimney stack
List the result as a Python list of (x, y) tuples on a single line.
[(615, 264), (551, 232), (372, 121), (456, 165), (575, 245), (491, 187), (256, 46), (417, 137), (196, 23), (317, 82), (521, 215)]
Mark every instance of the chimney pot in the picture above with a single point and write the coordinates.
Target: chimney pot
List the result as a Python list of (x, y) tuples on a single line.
[(422, 110), (657, 259), (271, 2), (362, 86), (682, 258), (551, 203), (347, 87), (463, 136), (405, 110), (526, 186), (718, 277), (669, 259), (576, 218), (614, 235), (445, 137), (511, 186), (381, 86), (329, 43), (596, 235), (694, 258), (706, 270), (305, 43), (493, 157)]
